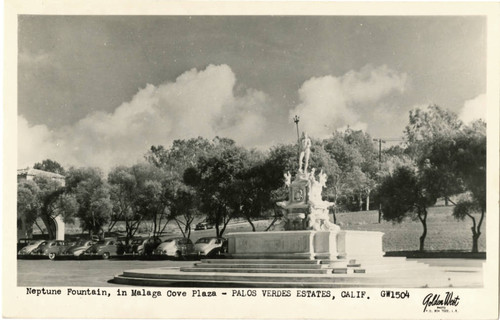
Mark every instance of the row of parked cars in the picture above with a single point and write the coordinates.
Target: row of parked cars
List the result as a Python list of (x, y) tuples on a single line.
[(178, 247)]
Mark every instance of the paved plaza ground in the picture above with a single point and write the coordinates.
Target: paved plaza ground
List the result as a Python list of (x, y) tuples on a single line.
[(88, 273), (97, 273)]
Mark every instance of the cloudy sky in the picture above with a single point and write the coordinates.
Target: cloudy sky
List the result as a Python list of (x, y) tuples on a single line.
[(99, 91)]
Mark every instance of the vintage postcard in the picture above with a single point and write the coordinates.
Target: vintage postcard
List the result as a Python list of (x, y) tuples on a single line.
[(277, 160)]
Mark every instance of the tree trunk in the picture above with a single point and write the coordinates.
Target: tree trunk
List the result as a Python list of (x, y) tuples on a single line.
[(475, 238), (217, 231), (360, 202), (180, 227), (154, 225), (423, 220), (49, 224), (251, 223), (379, 212), (164, 227), (187, 230), (476, 231), (271, 224), (368, 201), (225, 223), (112, 225)]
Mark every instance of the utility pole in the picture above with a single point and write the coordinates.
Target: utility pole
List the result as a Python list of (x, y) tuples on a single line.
[(380, 141)]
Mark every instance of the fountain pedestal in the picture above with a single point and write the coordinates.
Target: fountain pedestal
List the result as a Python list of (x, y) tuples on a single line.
[(304, 244)]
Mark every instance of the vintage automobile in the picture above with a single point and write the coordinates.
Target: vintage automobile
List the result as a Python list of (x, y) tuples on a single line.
[(78, 248), (133, 244), (203, 226), (52, 248), (21, 243), (209, 246), (30, 246), (175, 247), (145, 246), (105, 248)]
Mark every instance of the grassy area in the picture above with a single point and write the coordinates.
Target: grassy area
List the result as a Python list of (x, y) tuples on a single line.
[(443, 231)]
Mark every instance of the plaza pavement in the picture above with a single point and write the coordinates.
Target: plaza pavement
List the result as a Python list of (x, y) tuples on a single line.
[(98, 273)]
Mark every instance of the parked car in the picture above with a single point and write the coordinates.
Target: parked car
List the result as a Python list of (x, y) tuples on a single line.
[(175, 247), (106, 248), (21, 243), (52, 248), (30, 246), (79, 247), (203, 226), (132, 245), (145, 246), (209, 246)]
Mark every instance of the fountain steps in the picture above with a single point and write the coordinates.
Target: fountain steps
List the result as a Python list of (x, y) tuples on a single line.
[(277, 273)]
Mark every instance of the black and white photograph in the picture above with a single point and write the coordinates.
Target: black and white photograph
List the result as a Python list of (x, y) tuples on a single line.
[(251, 160)]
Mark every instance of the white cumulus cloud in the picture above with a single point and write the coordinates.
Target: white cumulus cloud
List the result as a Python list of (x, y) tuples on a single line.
[(329, 103), (197, 103), (31, 140), (474, 109)]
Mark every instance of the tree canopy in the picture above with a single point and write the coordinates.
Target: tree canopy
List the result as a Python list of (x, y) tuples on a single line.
[(50, 166), (449, 159), (91, 193)]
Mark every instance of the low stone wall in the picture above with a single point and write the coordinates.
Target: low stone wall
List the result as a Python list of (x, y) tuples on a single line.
[(308, 244), (352, 243)]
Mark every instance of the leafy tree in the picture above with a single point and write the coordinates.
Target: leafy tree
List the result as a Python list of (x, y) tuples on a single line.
[(184, 206), (467, 206), (123, 194), (180, 156), (174, 161), (346, 154), (453, 157), (50, 166), (28, 205), (91, 194), (355, 167), (358, 185), (391, 161), (54, 201), (469, 165), (214, 180), (406, 193), (277, 161), (395, 151), (253, 197), (425, 124), (363, 143), (154, 195), (430, 132)]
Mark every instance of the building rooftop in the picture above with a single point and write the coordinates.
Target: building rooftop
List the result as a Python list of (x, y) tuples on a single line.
[(38, 173)]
